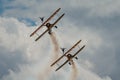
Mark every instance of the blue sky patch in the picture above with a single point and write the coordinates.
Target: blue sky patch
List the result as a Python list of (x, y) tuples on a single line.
[(1, 7), (28, 21)]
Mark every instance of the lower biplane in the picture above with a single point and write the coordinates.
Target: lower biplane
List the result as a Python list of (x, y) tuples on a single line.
[(47, 24), (68, 55)]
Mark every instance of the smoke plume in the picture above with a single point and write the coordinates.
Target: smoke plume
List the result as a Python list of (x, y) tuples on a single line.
[(55, 46), (53, 56), (74, 72)]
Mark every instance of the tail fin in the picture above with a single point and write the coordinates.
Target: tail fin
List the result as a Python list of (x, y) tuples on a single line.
[(42, 19), (63, 50)]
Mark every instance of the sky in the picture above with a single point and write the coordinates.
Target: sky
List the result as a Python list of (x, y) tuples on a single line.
[(95, 22)]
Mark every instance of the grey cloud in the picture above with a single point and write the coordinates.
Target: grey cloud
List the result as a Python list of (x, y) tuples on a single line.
[(116, 71), (34, 69), (28, 8), (10, 60), (106, 57)]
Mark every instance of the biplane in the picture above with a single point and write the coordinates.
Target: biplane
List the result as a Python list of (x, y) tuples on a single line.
[(47, 24), (68, 55)]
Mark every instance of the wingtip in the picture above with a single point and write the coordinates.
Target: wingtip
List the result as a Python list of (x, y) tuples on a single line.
[(56, 70), (79, 41), (59, 8), (84, 45), (51, 65), (35, 39), (30, 35)]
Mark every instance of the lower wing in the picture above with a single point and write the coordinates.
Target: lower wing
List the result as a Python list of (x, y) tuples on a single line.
[(62, 65)]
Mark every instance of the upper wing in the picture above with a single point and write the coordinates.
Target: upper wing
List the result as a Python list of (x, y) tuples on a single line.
[(62, 65), (45, 22), (49, 28), (58, 19), (78, 51), (66, 52)]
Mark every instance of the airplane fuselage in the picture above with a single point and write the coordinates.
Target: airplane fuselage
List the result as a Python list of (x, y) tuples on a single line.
[(48, 25), (70, 56)]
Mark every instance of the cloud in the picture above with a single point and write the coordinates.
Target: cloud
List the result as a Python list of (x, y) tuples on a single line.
[(35, 8), (95, 22), (98, 8), (15, 45), (99, 50), (32, 59), (88, 75)]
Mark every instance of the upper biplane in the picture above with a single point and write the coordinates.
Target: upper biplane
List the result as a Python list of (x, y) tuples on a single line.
[(47, 24), (68, 55)]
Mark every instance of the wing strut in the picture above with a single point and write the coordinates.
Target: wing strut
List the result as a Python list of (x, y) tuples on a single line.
[(78, 51), (41, 35), (62, 65)]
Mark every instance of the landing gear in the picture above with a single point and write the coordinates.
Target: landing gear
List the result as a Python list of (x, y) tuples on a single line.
[(56, 27), (49, 32), (69, 63)]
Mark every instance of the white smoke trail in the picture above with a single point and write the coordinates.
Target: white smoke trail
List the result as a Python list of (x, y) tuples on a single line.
[(56, 46), (74, 71), (47, 69)]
